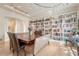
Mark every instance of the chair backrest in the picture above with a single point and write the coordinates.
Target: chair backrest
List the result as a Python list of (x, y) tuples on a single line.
[(9, 34), (15, 41)]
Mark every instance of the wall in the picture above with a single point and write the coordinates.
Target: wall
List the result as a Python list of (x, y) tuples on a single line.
[(3, 27), (19, 26), (26, 25), (22, 26)]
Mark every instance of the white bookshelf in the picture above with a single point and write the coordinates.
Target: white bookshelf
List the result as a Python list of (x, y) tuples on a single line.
[(44, 25), (68, 24)]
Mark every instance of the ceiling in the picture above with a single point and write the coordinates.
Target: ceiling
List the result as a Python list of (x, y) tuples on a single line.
[(37, 10)]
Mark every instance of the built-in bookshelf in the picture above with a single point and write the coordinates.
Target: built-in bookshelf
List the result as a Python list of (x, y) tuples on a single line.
[(56, 28), (63, 25), (60, 26), (69, 24), (44, 25)]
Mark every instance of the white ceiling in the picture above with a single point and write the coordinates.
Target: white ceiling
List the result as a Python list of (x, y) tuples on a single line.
[(40, 10)]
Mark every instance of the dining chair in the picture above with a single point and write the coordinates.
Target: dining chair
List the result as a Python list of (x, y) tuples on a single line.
[(17, 47), (11, 44)]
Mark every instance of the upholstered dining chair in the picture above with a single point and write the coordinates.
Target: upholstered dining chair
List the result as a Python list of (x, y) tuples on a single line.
[(11, 44), (16, 44)]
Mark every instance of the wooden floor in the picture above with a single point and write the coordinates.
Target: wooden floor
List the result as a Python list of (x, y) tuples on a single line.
[(52, 49)]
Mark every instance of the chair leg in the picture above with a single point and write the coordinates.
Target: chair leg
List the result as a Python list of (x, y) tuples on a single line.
[(24, 52), (12, 50), (10, 47), (33, 54), (17, 53)]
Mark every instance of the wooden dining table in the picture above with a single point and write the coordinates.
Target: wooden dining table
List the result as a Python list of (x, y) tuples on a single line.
[(29, 43), (25, 38)]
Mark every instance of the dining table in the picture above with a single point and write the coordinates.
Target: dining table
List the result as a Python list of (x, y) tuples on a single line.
[(24, 37)]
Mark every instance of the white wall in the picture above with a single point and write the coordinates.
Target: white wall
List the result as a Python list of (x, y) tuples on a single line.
[(3, 27), (26, 25), (21, 26)]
